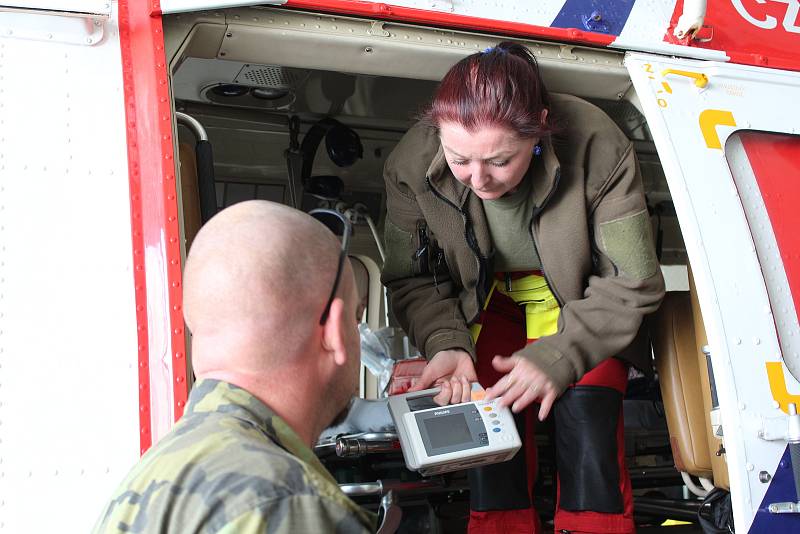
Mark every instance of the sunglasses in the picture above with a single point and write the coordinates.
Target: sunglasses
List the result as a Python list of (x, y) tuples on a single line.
[(341, 227)]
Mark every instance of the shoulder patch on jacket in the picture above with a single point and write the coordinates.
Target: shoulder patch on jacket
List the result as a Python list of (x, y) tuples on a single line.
[(399, 252), (628, 243)]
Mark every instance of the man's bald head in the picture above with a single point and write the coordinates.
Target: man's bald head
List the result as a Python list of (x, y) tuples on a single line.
[(256, 281)]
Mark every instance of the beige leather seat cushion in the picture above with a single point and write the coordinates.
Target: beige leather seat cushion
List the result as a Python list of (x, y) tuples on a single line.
[(675, 348), (718, 463)]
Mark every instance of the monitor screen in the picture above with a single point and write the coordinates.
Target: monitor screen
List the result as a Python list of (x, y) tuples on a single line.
[(448, 430)]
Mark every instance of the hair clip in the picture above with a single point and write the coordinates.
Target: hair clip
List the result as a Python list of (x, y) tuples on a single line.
[(494, 49)]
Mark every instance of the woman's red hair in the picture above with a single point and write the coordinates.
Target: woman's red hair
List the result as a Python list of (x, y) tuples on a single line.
[(498, 87)]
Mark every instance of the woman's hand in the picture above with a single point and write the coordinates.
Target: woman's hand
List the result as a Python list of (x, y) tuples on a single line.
[(453, 370), (524, 384)]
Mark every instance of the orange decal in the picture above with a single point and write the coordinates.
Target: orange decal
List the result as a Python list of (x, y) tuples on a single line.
[(709, 120), (777, 385)]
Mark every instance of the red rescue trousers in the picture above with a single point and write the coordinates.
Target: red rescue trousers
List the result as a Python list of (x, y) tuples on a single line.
[(503, 332)]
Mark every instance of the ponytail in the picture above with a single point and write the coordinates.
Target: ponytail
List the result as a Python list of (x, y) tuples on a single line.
[(500, 86)]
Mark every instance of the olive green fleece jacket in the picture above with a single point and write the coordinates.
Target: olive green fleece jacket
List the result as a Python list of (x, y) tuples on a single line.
[(590, 228)]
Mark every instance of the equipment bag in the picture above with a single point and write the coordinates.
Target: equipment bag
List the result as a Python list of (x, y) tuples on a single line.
[(716, 514)]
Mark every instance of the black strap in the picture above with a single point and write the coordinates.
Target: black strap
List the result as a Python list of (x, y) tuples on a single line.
[(294, 163), (311, 142), (205, 180)]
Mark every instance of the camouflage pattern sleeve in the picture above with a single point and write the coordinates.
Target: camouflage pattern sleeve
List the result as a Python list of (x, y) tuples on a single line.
[(299, 514), (230, 465)]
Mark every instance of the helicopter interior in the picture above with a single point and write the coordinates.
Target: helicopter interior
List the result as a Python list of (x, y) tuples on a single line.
[(304, 108)]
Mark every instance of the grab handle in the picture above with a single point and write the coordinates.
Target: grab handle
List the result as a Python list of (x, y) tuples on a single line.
[(700, 79)]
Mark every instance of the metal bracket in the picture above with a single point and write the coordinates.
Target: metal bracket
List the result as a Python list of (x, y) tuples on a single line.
[(566, 52), (704, 35), (391, 513), (784, 508), (377, 29), (793, 437), (85, 29), (773, 429), (777, 429)]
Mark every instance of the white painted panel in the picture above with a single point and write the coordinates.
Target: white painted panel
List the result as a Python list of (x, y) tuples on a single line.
[(729, 277), (85, 31), (68, 351), (181, 6), (644, 29), (74, 6), (539, 13)]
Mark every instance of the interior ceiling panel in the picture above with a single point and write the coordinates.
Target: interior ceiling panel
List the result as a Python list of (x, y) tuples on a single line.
[(270, 41)]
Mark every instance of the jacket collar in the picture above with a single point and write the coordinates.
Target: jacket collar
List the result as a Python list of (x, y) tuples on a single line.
[(544, 177), (216, 396), (443, 181)]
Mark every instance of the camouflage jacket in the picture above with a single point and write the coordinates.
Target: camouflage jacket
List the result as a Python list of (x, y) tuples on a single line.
[(231, 465)]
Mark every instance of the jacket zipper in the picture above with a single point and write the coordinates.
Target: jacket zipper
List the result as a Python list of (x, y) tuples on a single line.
[(536, 212), (422, 252), (439, 258), (469, 236)]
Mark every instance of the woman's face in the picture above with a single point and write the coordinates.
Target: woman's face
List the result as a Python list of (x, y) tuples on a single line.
[(491, 161)]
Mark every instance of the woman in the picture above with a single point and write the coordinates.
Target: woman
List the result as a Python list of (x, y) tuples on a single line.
[(520, 254)]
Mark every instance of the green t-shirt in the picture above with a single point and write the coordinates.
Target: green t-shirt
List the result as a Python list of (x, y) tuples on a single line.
[(509, 219)]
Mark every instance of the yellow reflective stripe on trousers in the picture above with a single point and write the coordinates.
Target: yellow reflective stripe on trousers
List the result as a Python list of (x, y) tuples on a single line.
[(475, 329), (541, 306)]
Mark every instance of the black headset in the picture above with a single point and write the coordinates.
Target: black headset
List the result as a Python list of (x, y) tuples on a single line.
[(342, 143)]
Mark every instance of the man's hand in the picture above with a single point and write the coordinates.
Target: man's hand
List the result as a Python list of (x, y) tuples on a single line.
[(523, 384), (453, 370)]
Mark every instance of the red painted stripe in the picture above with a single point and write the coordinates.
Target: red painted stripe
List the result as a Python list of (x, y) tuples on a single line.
[(744, 42), (775, 159), (154, 205), (450, 20)]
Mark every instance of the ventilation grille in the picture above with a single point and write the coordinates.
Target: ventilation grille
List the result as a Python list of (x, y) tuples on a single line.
[(271, 76)]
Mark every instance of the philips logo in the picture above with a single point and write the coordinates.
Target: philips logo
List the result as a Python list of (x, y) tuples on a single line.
[(441, 412)]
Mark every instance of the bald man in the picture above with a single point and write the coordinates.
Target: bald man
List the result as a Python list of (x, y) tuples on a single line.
[(270, 378)]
